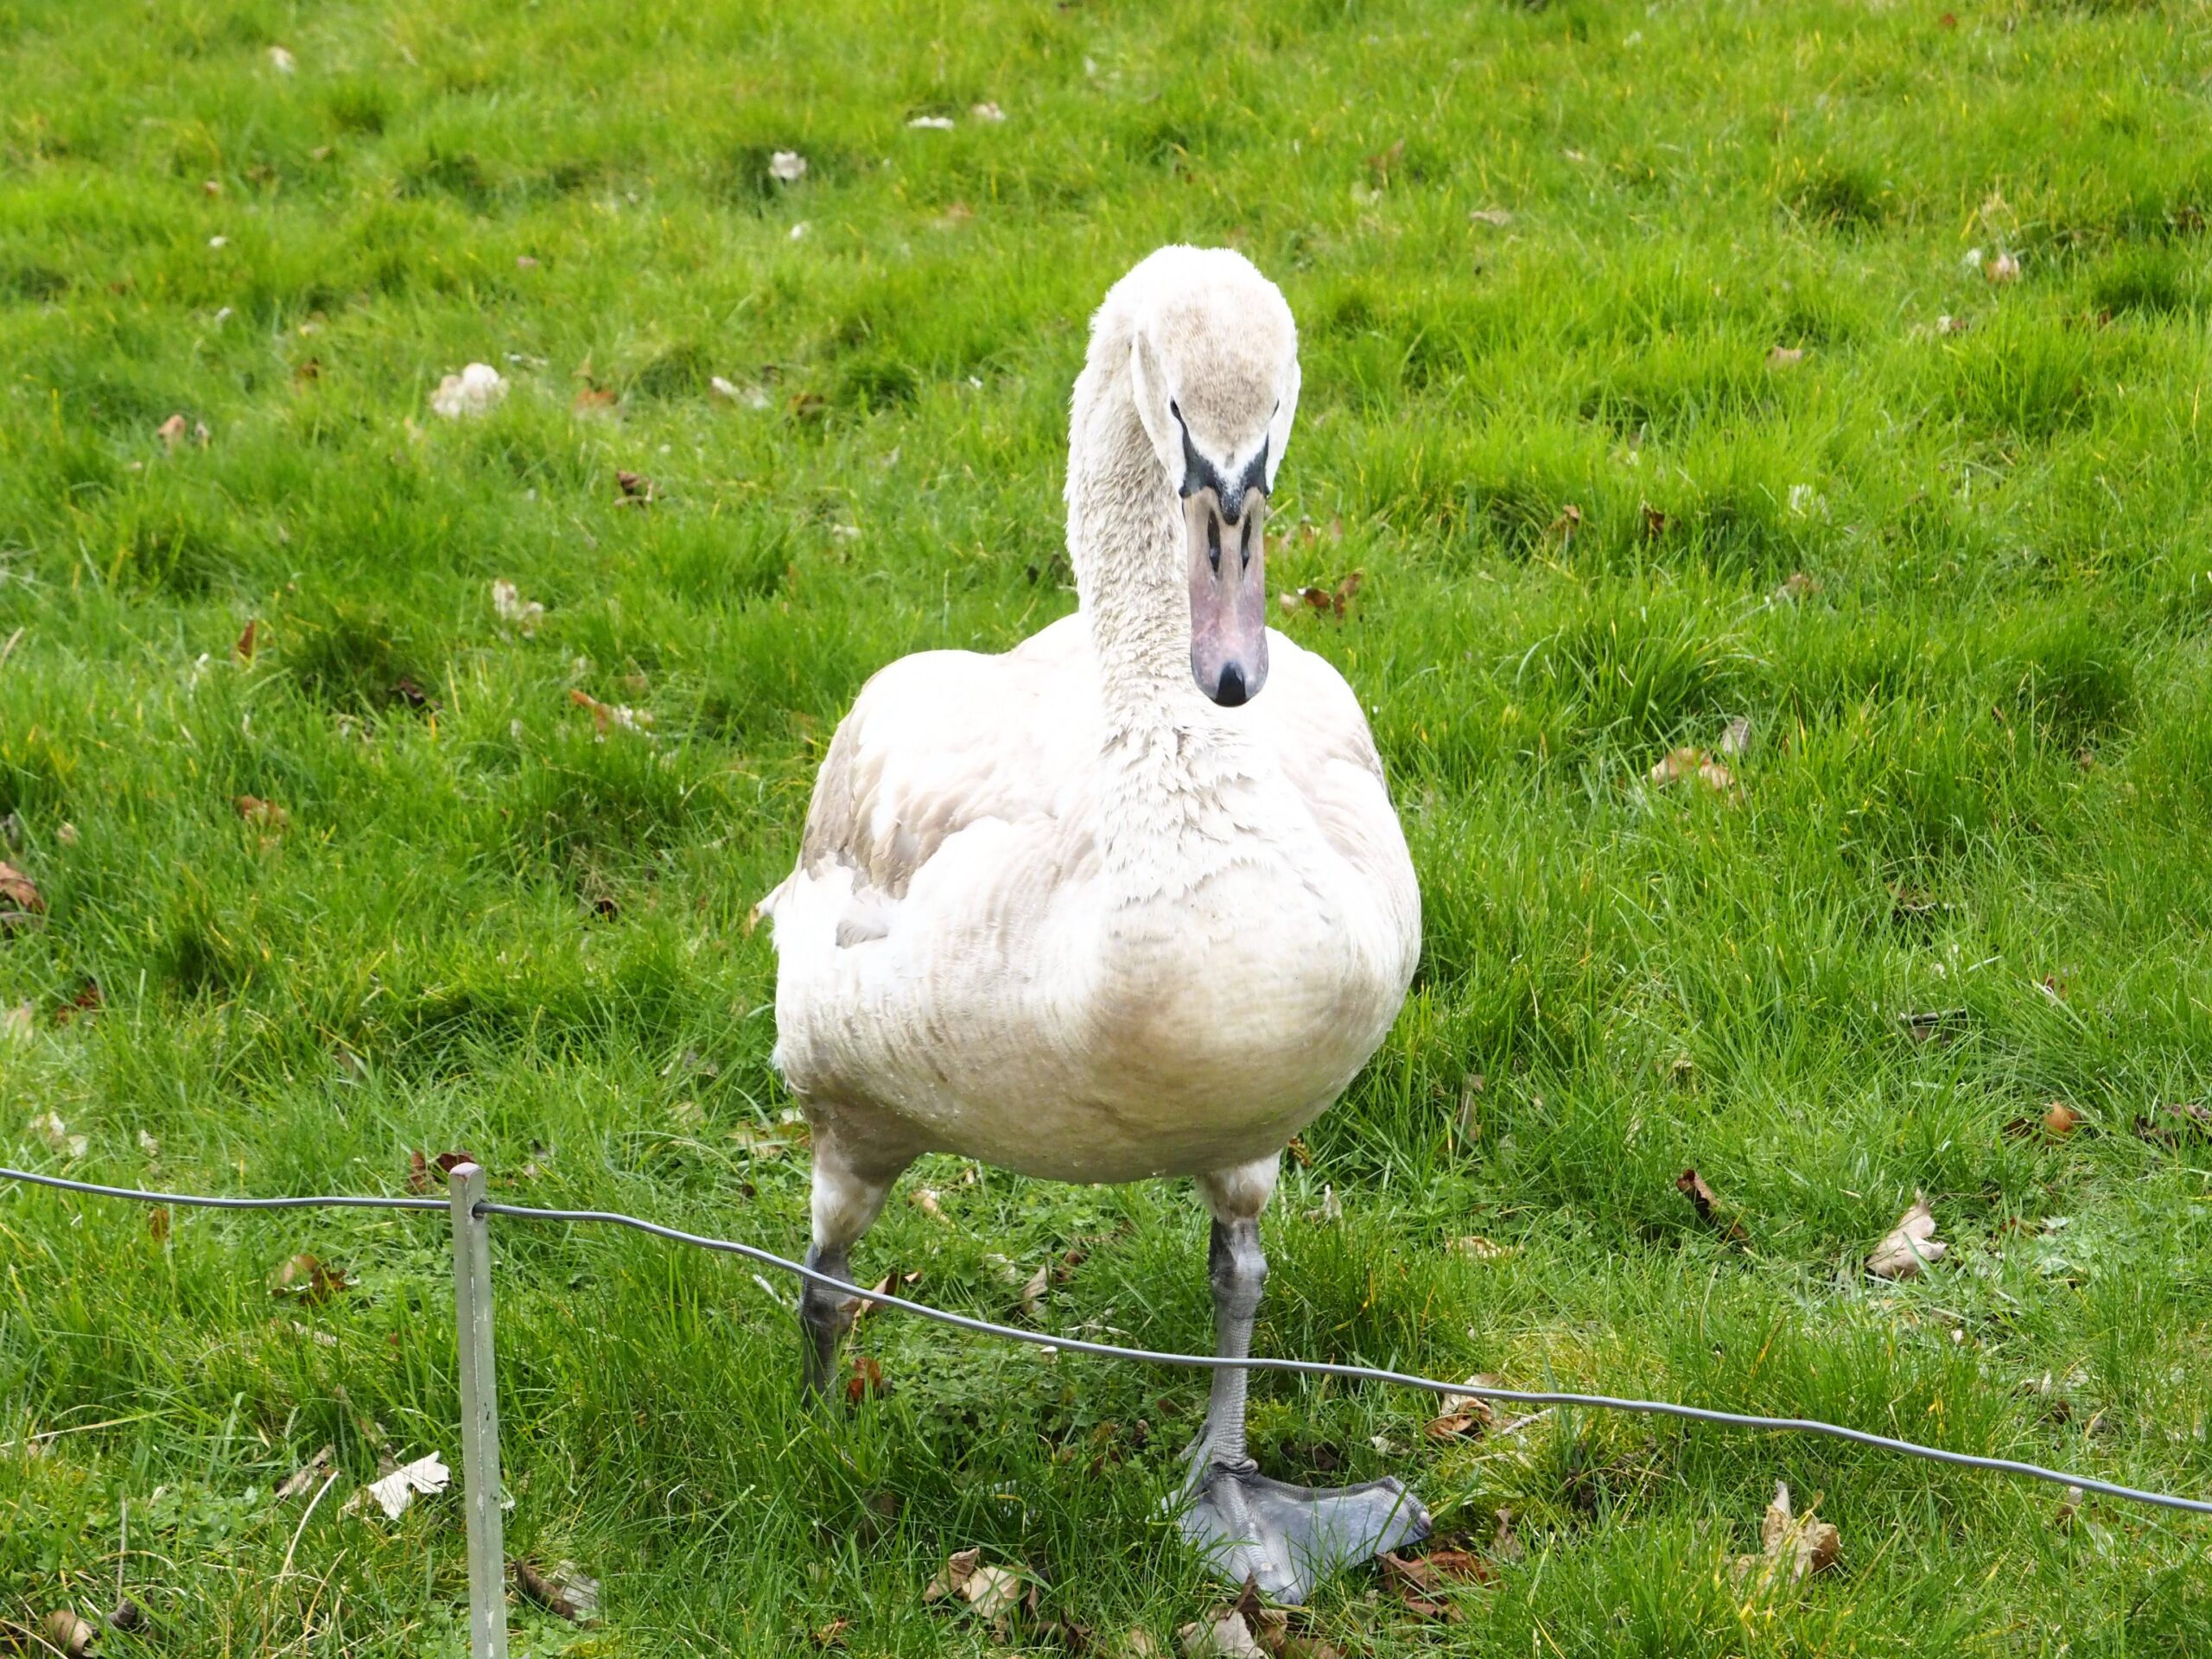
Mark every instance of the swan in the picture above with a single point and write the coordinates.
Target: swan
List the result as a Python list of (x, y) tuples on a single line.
[(1126, 901)]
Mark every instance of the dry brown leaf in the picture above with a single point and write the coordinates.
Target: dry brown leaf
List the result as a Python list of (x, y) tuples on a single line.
[(1785, 357), (171, 432), (925, 1198), (595, 400), (63, 1632), (1420, 1581), (609, 716), (566, 1590), (128, 1617), (1792, 1547), (867, 1381), (638, 490), (1691, 1184), (1460, 1416), (1655, 522), (2061, 1119), (1223, 1634), (19, 893), (86, 1000), (2172, 1125), (952, 1577), (1736, 737), (157, 1223), (2005, 268), (263, 815), (49, 1128), (831, 1635), (1795, 586), (1034, 1292), (1910, 1245), (1497, 218), (303, 1477), (244, 649), (308, 1278), (1476, 1248), (1690, 762), (1505, 1544)]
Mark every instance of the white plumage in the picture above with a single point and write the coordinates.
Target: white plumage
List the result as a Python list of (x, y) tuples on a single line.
[(1063, 911)]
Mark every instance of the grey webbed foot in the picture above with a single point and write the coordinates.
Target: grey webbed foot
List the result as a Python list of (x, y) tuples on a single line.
[(1289, 1538)]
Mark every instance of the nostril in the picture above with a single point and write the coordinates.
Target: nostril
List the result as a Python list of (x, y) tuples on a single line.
[(1231, 694)]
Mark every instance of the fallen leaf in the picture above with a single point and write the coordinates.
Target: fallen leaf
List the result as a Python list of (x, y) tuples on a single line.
[(1568, 522), (1655, 522), (1505, 1544), (1221, 1634), (1796, 585), (787, 166), (1785, 357), (19, 893), (510, 606), (395, 1491), (1478, 1249), (87, 1000), (471, 392), (1420, 1581), (831, 1635), (1033, 1293), (1692, 1186), (925, 1198), (1910, 1246), (1791, 1548), (867, 1381), (2172, 1125), (157, 1223), (404, 689), (1496, 217), (1687, 762), (2070, 1505), (263, 815), (1333, 1207), (953, 1576), (986, 112), (19, 1025), (2003, 269), (636, 488), (303, 1477), (281, 60), (993, 1591), (308, 1278), (1948, 324), (63, 1632), (567, 1591), (609, 716), (2061, 1119), (128, 1617), (1140, 1644), (49, 1128), (1461, 1416), (171, 432), (1736, 737), (245, 648)]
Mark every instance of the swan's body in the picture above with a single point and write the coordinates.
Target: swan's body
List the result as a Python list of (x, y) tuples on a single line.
[(1097, 909), (963, 952)]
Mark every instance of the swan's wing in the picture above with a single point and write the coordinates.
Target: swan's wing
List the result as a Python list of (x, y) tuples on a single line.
[(936, 743)]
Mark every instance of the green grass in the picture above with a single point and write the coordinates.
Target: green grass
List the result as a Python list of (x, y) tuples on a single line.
[(1980, 756)]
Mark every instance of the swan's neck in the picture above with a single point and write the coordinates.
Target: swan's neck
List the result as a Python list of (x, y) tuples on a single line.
[(1176, 770)]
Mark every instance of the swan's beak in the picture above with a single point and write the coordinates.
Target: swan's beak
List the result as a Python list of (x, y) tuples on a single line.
[(1229, 594)]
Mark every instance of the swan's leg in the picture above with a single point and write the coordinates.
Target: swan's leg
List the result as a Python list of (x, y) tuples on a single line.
[(849, 1195), (1288, 1538)]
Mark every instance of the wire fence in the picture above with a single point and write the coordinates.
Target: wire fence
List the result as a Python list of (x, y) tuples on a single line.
[(470, 1212)]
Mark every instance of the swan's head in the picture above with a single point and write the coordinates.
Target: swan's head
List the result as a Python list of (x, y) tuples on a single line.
[(1213, 368)]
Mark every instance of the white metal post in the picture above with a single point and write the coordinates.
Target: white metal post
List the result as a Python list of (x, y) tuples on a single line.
[(480, 1416)]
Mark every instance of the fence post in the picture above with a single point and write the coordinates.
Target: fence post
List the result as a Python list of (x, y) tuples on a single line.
[(480, 1416)]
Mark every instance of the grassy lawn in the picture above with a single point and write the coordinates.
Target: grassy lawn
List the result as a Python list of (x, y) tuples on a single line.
[(1656, 373)]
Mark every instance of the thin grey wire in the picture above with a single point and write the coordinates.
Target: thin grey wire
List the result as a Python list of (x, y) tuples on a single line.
[(1193, 1362), (333, 1201)]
